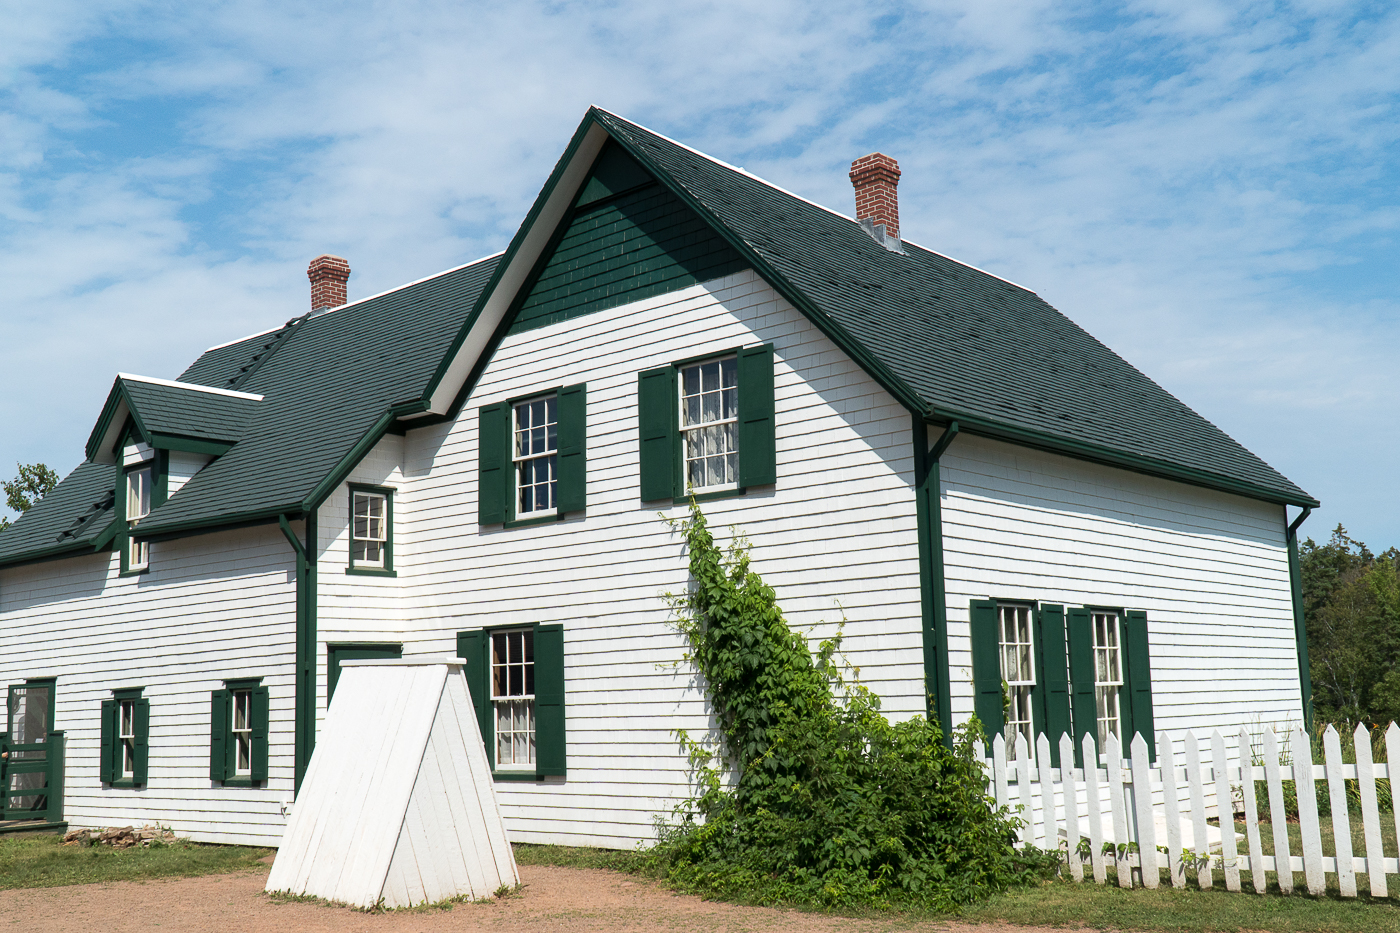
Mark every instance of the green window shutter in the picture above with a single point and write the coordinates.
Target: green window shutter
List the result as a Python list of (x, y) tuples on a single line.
[(550, 745), (109, 742), (141, 726), (986, 667), (573, 448), (1054, 678), (1080, 640), (258, 710), (758, 457), (493, 463), (472, 648), (1139, 685), (218, 735), (657, 429)]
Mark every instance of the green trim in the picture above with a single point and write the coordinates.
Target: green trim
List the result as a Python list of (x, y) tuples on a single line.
[(518, 776), (306, 645), (231, 523), (388, 493), (538, 520), (338, 474), (1094, 453), (711, 496), (1300, 628), (193, 445), (34, 826), (933, 600)]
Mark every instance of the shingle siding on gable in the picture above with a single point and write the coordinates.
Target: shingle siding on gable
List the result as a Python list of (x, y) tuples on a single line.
[(642, 243)]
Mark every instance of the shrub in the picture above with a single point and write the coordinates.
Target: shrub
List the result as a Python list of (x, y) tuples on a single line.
[(808, 795)]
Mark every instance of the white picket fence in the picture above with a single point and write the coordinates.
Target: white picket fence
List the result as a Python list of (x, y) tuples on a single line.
[(1142, 818)]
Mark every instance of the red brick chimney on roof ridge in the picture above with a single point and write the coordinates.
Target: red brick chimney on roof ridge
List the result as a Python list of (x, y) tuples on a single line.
[(328, 275), (876, 180)]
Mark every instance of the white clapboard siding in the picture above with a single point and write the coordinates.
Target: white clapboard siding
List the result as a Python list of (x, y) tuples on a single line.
[(183, 466), (398, 806), (1209, 568), (1149, 826), (211, 608)]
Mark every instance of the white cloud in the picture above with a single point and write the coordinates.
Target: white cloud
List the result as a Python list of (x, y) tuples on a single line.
[(1190, 181)]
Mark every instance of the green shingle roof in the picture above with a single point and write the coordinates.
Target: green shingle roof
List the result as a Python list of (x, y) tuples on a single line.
[(970, 346), (72, 516), (167, 409)]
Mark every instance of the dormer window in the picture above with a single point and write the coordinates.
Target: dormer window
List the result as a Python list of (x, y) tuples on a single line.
[(139, 485)]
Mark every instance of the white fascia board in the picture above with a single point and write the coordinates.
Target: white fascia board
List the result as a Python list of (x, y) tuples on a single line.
[(192, 386), (107, 450), (513, 277)]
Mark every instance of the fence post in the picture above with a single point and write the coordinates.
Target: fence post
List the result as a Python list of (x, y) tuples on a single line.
[(1341, 820), (1003, 794), (1205, 876), (1171, 798), (1117, 804), (1370, 812), (1307, 813), (1092, 793), (1071, 795), (1278, 813), (1251, 814), (1146, 824), (1024, 794), (1225, 807)]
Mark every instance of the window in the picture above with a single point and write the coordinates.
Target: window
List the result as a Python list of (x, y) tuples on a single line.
[(125, 738), (516, 679), (710, 423), (707, 425), (1017, 670), (238, 726), (371, 530), (138, 506), (535, 455), (532, 457), (1108, 674), (1046, 669), (513, 697)]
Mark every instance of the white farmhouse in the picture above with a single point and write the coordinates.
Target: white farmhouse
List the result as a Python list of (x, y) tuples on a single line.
[(479, 464)]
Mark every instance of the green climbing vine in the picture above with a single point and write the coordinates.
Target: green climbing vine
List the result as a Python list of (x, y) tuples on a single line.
[(808, 794)]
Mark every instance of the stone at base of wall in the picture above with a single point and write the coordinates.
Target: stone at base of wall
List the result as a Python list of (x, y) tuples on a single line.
[(119, 837)]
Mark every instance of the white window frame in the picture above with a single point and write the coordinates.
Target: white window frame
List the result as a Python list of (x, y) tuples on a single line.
[(546, 456), (512, 707), (703, 428), (126, 737), (381, 541), (1020, 683), (242, 736), (138, 506), (1107, 626)]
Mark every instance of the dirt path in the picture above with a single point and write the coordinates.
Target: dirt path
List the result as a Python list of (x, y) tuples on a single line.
[(577, 900)]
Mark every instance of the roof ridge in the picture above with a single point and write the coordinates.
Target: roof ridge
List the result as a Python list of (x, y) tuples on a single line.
[(279, 338), (792, 194), (192, 386)]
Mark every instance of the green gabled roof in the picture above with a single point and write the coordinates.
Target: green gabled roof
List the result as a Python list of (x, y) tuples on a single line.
[(68, 520), (165, 411), (953, 342), (328, 390)]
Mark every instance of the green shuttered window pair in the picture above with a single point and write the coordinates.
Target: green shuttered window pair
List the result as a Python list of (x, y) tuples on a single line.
[(1047, 669), (516, 680), (532, 456), (126, 727), (238, 725), (707, 424)]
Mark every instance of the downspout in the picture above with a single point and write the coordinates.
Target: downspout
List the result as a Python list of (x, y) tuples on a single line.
[(1300, 630), (933, 593), (305, 704)]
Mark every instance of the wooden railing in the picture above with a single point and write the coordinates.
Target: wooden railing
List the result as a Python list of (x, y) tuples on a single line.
[(1141, 817)]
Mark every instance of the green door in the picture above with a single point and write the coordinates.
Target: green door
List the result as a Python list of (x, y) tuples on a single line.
[(24, 752), (335, 654)]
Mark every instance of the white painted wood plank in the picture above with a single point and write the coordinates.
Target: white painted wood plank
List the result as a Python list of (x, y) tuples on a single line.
[(1094, 798), (1025, 796), (1071, 798), (1251, 815), (1224, 804), (1119, 807), (1370, 812), (1146, 823), (478, 788), (1341, 820), (1278, 821), (1195, 781), (1048, 833), (1308, 826), (1001, 785), (1171, 802)]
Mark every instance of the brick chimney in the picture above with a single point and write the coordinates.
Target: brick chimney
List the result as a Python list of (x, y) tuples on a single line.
[(876, 180), (328, 275)]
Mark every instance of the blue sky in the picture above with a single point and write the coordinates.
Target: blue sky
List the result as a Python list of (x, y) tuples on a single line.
[(1211, 189)]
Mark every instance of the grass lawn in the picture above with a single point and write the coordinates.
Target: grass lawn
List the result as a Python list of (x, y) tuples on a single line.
[(1071, 904), (40, 860)]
